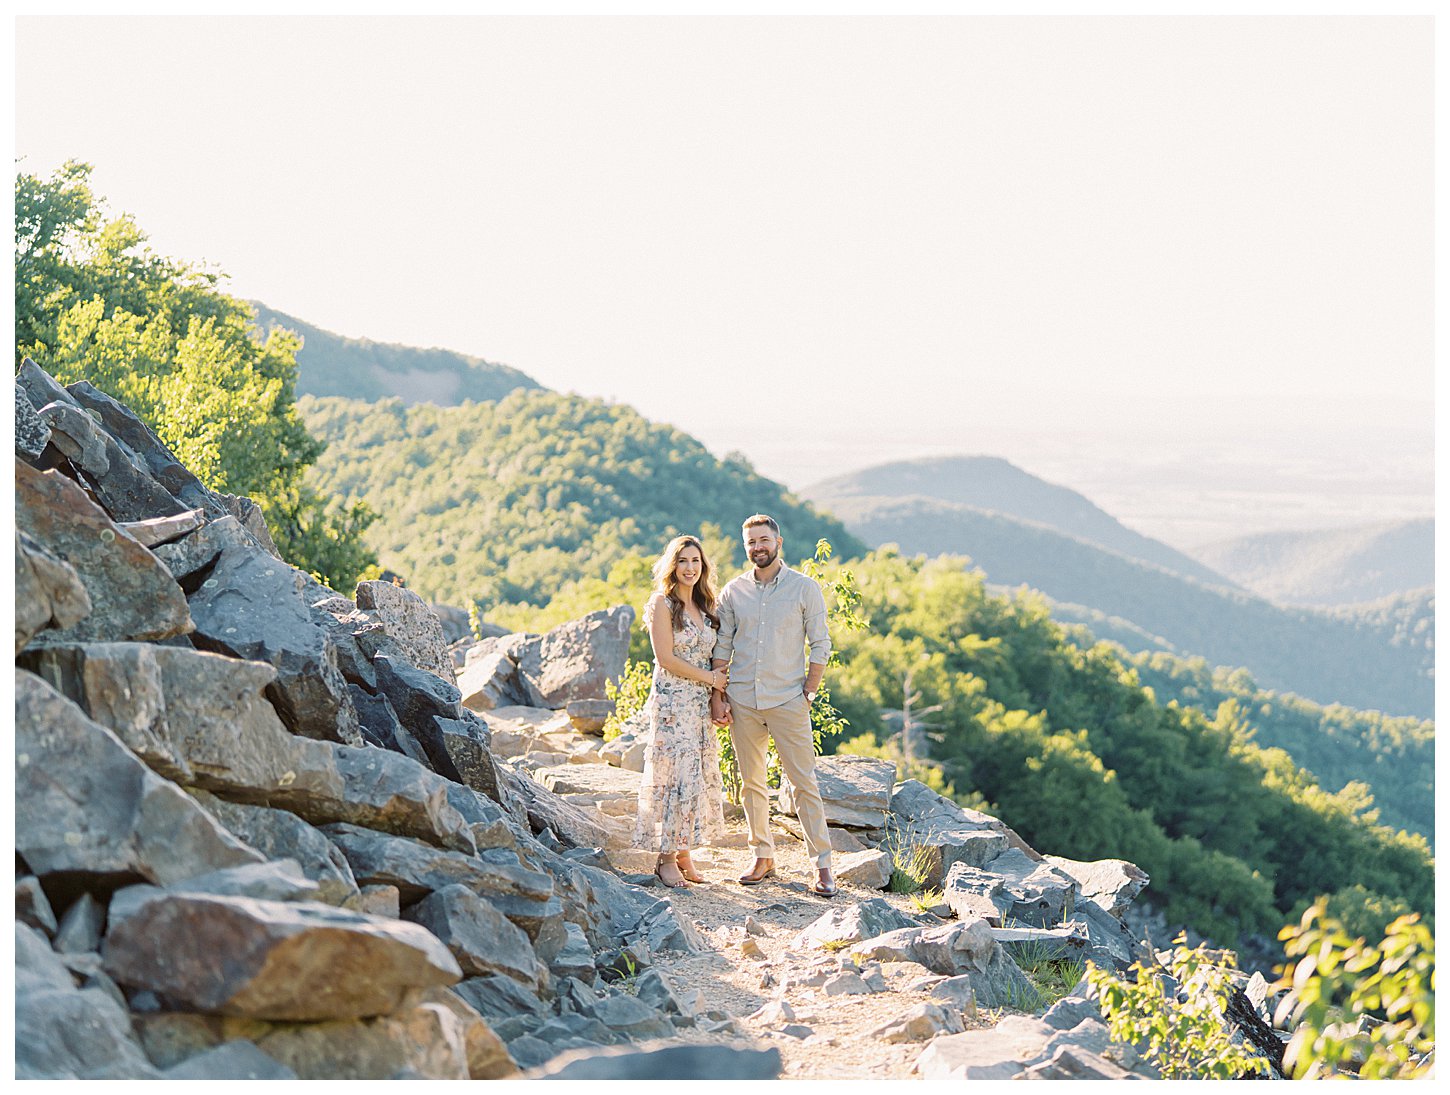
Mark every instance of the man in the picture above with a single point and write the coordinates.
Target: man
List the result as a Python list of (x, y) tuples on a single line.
[(767, 616)]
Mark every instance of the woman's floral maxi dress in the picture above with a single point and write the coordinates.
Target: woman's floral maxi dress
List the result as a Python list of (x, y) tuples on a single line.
[(681, 790)]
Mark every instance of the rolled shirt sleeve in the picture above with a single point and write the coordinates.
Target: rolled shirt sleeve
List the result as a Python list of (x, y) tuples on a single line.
[(813, 608), (725, 638)]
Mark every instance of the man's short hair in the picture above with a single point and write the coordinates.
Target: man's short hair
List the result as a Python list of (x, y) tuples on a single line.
[(760, 519)]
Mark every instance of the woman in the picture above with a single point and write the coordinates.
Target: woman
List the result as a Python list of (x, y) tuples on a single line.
[(680, 792)]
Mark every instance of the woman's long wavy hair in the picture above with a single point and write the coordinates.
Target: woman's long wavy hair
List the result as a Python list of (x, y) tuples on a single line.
[(704, 594)]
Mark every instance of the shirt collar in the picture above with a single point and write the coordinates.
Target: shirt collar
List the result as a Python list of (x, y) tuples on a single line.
[(779, 574)]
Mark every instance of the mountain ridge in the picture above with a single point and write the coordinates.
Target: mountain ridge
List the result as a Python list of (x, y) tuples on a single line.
[(330, 364), (996, 485), (1329, 566)]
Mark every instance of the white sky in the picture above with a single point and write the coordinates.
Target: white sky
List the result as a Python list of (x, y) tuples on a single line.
[(1182, 264)]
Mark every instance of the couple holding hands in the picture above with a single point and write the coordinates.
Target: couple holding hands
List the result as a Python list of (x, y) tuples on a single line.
[(734, 659)]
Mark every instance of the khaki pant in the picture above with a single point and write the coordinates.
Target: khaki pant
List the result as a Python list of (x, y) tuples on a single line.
[(790, 726)]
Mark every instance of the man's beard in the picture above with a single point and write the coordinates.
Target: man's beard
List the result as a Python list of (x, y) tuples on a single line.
[(774, 555)]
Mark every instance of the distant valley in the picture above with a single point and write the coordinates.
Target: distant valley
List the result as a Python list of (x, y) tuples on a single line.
[(1329, 566), (1136, 591)]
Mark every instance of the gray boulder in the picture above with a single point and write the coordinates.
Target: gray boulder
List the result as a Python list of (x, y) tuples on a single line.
[(393, 794), (870, 868), (275, 880), (424, 1039), (300, 962), (589, 716), (467, 743), (427, 1041), (415, 693), (948, 949), (1041, 894), (971, 892), (158, 531), (86, 808), (278, 834), (999, 1052), (696, 1062), (922, 1023), (1111, 884), (853, 923), (147, 451), (575, 827), (138, 690), (33, 907), (575, 958), (410, 623), (952, 833), (380, 725), (498, 997), (127, 492), (1070, 1062), (199, 549), (65, 1033), (132, 596), (81, 926), (856, 791), (480, 937), (575, 659), (491, 680), (251, 607), (48, 592), (31, 434), (454, 622), (488, 1057), (239, 1060)]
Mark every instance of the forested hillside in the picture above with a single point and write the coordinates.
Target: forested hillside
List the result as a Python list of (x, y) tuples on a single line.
[(1395, 757), (1381, 659), (1066, 743), (996, 486), (359, 368), (95, 302), (504, 503), (1330, 566)]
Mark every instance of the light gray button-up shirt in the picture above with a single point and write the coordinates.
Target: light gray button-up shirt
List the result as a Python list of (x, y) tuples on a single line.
[(764, 630)]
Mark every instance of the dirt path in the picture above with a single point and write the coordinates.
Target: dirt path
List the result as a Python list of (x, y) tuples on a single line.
[(828, 1038)]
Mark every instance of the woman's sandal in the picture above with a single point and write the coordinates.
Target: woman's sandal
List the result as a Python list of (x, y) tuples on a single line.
[(680, 885), (687, 869)]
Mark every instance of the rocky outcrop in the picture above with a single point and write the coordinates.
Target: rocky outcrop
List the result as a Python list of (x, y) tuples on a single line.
[(193, 781)]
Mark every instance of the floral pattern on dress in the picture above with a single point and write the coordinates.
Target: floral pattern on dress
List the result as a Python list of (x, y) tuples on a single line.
[(680, 791)]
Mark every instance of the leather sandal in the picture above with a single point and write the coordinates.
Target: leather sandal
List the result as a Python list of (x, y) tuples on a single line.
[(688, 871), (680, 885), (824, 889), (753, 879)]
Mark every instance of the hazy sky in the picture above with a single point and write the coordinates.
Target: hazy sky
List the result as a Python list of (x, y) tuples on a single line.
[(1182, 264)]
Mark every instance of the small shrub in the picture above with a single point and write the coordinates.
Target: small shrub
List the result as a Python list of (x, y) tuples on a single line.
[(925, 900), (1338, 980), (1184, 1041), (629, 694), (910, 866)]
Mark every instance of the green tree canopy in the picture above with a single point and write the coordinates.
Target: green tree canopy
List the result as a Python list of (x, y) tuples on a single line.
[(93, 301)]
